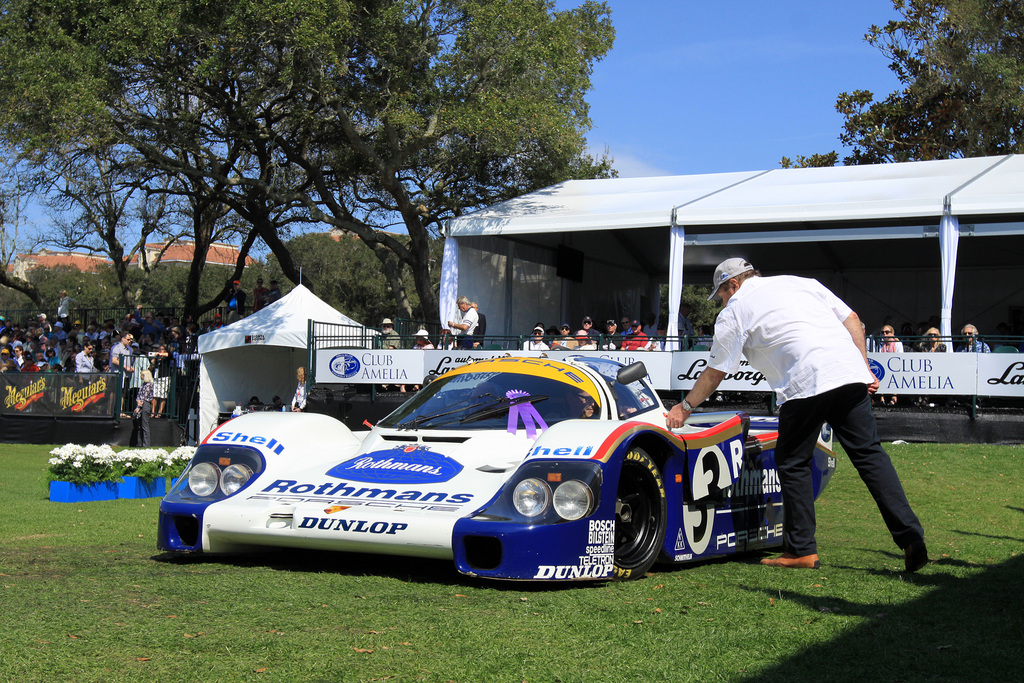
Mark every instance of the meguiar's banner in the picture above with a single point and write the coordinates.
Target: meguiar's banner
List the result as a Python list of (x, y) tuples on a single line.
[(58, 394)]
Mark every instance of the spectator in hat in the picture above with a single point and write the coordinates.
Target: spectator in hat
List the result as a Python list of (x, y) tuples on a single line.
[(235, 301), (389, 339), (635, 339), (31, 365), (536, 340), (584, 342), (588, 325), (565, 340), (810, 347), (423, 341), (612, 339)]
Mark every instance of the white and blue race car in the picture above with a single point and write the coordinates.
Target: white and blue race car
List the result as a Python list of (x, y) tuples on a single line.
[(515, 468)]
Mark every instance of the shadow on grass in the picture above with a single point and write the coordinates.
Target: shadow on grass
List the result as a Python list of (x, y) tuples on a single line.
[(965, 629), (407, 569)]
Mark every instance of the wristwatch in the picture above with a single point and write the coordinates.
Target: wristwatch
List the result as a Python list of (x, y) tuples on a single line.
[(686, 406)]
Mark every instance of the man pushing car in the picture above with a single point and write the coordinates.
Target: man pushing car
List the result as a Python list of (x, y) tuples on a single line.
[(810, 347)]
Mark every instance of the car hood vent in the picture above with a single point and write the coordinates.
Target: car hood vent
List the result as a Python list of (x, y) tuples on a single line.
[(404, 438)]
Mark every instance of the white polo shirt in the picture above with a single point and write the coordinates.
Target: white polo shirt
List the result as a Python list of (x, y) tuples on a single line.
[(791, 330), (471, 318)]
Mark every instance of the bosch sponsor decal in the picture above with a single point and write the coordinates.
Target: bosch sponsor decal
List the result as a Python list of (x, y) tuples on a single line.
[(597, 563), (399, 465), (238, 437), (342, 493), (355, 526)]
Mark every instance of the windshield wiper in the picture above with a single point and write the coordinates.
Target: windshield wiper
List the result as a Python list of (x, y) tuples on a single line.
[(506, 403), (423, 419)]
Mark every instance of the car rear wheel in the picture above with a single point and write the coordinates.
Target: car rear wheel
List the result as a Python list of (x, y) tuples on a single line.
[(640, 515)]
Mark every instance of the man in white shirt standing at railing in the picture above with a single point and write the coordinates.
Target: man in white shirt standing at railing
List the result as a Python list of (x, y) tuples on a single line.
[(810, 347), (465, 327)]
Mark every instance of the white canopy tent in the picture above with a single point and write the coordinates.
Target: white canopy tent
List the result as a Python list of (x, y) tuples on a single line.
[(259, 355), (832, 223)]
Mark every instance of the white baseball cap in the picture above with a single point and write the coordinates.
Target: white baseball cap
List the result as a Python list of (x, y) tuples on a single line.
[(727, 269)]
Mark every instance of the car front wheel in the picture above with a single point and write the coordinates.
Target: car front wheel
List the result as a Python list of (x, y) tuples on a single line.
[(640, 515)]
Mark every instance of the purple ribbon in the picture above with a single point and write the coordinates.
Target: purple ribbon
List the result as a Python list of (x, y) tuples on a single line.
[(531, 418)]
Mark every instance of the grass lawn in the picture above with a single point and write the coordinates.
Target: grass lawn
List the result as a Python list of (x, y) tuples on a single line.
[(85, 596)]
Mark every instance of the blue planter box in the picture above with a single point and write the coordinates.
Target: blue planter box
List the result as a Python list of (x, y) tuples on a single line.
[(131, 487), (65, 492), (134, 487)]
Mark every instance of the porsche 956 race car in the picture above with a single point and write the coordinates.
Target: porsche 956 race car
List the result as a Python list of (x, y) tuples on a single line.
[(514, 468)]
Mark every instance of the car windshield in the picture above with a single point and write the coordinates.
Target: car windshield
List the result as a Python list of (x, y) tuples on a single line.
[(493, 400), (633, 398)]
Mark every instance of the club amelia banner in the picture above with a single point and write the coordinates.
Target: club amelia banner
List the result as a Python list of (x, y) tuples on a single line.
[(53, 394), (929, 374)]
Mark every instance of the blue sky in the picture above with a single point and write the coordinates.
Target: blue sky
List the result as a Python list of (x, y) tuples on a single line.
[(703, 87)]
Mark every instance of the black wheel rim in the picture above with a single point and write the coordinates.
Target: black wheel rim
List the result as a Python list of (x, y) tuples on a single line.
[(636, 516)]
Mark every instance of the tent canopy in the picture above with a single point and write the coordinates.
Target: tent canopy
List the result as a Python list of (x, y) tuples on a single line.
[(259, 355), (835, 224), (283, 323)]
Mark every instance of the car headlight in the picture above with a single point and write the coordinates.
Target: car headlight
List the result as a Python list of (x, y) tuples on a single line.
[(204, 478), (531, 497), (573, 499), (234, 478)]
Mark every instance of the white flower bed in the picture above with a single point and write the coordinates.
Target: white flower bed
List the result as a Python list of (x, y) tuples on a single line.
[(89, 464)]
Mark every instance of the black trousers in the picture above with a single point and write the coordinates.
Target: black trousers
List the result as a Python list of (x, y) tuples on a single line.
[(144, 434), (848, 410)]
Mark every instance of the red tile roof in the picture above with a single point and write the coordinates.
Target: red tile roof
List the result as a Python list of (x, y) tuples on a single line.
[(181, 251)]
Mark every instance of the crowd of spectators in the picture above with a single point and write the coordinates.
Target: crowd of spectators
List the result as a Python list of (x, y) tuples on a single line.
[(142, 343), (139, 340)]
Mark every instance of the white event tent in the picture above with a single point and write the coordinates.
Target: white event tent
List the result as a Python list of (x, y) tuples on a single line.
[(258, 355), (887, 238)]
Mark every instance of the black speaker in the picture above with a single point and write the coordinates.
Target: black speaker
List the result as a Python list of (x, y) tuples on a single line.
[(569, 264)]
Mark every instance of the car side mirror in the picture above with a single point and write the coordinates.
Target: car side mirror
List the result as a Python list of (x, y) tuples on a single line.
[(631, 373)]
